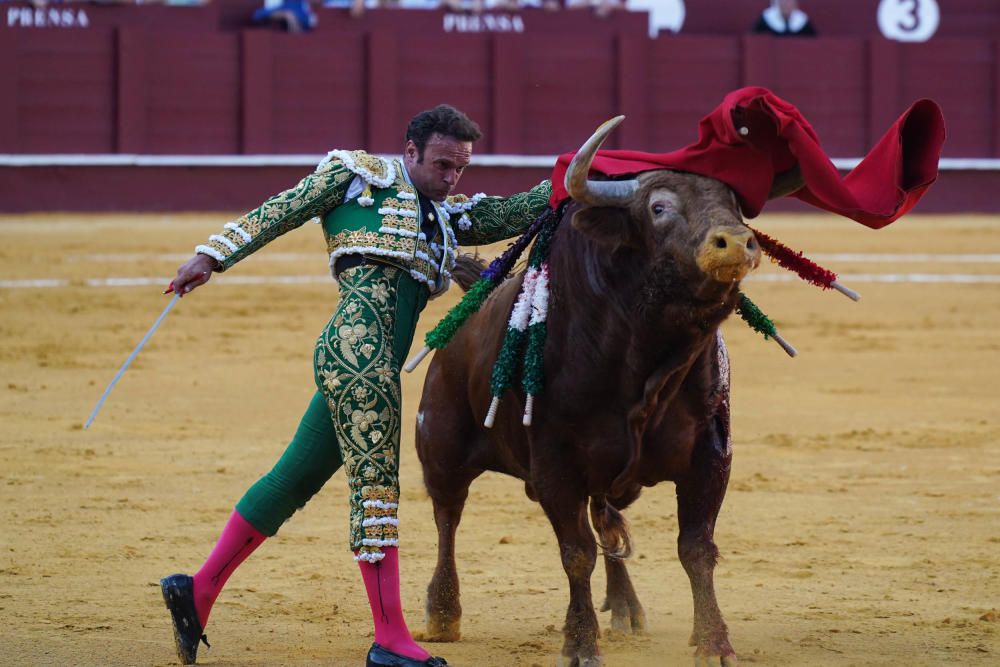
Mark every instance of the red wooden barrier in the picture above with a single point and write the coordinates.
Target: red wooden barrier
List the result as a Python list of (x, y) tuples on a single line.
[(961, 76), (155, 80), (133, 90), (60, 93), (825, 78)]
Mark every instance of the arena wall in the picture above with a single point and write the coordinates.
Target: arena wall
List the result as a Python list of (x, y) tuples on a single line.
[(197, 82)]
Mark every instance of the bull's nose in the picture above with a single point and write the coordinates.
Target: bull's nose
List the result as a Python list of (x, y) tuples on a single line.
[(728, 254), (735, 243)]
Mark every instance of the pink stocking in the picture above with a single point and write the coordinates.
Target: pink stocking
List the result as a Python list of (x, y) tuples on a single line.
[(382, 583), (238, 540)]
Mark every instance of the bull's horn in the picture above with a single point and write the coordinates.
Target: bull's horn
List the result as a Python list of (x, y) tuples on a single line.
[(786, 183), (597, 193)]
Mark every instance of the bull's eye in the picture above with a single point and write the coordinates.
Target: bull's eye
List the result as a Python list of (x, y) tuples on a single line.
[(658, 209)]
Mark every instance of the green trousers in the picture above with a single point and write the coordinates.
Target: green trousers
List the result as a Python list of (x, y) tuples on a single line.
[(354, 418)]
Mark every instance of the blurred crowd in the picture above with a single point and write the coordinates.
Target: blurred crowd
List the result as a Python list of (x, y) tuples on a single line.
[(297, 15), (360, 6), (300, 15), (782, 18)]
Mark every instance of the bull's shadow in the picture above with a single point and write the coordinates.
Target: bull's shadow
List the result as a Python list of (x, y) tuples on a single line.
[(642, 274)]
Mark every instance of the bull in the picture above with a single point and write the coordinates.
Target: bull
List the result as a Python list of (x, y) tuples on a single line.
[(637, 394)]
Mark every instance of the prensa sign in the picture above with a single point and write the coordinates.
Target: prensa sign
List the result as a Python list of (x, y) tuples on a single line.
[(30, 17), (483, 23)]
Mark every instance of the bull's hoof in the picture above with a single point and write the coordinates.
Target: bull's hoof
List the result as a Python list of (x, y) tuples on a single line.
[(634, 623), (705, 659), (578, 661), (626, 619), (440, 631)]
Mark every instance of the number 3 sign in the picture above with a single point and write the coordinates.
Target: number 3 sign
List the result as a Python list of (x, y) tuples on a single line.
[(908, 20)]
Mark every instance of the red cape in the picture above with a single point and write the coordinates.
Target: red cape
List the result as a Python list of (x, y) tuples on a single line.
[(887, 183)]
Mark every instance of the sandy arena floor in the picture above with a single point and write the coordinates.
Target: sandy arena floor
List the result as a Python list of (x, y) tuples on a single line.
[(862, 526)]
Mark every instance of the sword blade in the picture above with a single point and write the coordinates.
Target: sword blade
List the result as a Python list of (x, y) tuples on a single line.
[(132, 356)]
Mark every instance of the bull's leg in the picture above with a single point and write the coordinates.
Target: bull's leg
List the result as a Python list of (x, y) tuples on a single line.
[(445, 445), (627, 614), (444, 607), (566, 508), (699, 498)]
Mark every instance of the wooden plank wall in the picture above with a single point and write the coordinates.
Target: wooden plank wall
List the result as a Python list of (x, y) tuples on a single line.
[(135, 90)]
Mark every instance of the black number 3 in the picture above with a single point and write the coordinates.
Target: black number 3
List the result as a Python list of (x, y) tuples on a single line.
[(914, 16)]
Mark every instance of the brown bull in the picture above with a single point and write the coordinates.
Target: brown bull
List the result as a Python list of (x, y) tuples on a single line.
[(637, 393)]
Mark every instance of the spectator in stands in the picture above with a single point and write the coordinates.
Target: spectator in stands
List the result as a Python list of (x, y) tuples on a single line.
[(292, 15), (784, 19)]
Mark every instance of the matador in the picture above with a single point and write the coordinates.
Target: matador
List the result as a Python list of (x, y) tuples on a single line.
[(392, 228)]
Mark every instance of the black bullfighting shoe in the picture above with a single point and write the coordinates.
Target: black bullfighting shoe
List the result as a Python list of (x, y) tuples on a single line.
[(178, 593), (379, 656)]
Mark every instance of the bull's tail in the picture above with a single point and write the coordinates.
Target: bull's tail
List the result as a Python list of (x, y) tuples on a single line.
[(612, 529), (467, 270)]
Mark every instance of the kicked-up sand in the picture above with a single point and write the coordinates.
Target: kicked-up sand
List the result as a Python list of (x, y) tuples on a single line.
[(861, 527)]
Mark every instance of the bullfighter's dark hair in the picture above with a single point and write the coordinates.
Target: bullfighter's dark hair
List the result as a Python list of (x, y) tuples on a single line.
[(443, 119)]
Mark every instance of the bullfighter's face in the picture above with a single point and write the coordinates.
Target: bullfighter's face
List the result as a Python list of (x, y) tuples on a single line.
[(436, 172)]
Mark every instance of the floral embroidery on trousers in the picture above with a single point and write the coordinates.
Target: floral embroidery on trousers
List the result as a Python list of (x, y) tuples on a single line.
[(358, 374)]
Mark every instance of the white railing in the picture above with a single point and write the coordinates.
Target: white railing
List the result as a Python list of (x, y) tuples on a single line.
[(486, 160)]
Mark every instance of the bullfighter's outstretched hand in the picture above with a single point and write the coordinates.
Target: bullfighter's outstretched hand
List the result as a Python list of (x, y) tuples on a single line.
[(193, 273)]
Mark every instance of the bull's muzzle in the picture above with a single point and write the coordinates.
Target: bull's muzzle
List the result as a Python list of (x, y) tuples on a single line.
[(728, 254)]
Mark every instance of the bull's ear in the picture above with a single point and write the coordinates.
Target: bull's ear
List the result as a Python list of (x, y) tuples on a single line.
[(608, 225)]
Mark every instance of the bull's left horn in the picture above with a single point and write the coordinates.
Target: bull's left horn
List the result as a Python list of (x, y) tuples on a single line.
[(597, 193)]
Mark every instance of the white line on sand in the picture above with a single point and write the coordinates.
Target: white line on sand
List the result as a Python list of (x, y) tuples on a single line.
[(961, 278), (162, 281), (42, 282), (105, 257), (923, 258), (847, 278)]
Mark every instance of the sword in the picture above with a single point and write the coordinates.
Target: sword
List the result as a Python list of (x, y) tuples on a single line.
[(128, 361)]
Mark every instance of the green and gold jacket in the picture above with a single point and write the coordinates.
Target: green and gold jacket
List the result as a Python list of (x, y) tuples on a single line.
[(368, 206)]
